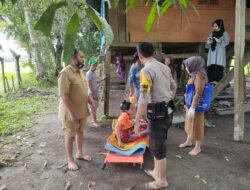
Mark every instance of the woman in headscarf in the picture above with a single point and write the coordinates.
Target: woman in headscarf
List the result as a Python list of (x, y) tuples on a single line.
[(216, 45), (194, 121)]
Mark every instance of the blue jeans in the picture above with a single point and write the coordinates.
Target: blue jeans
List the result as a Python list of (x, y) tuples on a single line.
[(137, 93)]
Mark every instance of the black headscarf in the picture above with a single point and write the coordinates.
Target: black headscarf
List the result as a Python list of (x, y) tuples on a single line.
[(217, 34)]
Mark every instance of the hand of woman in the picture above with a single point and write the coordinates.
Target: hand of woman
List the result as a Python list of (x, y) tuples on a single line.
[(209, 40), (217, 40), (191, 113)]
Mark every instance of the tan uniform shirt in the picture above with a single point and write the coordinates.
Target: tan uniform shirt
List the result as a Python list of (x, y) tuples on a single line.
[(72, 82)]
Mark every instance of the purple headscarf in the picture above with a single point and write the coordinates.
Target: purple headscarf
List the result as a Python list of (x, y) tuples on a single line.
[(196, 64)]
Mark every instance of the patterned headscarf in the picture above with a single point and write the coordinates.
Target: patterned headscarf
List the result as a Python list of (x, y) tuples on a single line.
[(196, 64)]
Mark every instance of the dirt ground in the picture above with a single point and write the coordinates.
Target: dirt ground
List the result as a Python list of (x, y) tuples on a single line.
[(222, 165)]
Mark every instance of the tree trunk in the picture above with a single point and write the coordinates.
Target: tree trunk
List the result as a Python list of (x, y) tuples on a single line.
[(3, 75), (239, 47), (34, 43), (58, 55), (17, 67), (30, 56)]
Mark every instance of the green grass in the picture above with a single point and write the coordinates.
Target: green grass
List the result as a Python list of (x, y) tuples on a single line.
[(21, 113), (19, 109), (22, 106), (28, 80)]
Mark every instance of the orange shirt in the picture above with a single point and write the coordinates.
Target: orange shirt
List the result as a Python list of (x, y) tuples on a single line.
[(124, 121)]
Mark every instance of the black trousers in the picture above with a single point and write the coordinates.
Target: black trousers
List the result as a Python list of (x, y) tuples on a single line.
[(158, 134), (215, 73)]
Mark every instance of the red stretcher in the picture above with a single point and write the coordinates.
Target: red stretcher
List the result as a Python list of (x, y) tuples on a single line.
[(112, 158)]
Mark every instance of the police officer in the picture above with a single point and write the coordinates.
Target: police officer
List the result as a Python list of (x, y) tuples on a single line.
[(155, 95)]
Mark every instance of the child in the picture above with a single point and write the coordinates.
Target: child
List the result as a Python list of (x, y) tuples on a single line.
[(124, 129)]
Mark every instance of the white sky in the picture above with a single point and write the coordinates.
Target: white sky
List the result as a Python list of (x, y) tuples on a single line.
[(8, 44)]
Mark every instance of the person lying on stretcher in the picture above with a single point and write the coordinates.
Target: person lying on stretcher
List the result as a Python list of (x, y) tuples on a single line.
[(124, 128)]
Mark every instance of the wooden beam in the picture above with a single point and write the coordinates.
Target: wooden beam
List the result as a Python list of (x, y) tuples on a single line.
[(230, 110), (239, 47), (158, 51), (121, 19), (201, 49), (123, 45), (228, 77), (107, 83), (182, 55)]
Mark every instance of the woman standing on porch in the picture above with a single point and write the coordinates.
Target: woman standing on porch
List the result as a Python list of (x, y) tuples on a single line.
[(194, 121), (216, 45)]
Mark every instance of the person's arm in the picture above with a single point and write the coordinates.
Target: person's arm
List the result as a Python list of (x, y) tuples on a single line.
[(209, 42), (225, 39), (173, 86), (131, 89), (146, 82), (118, 134), (63, 87), (70, 107), (140, 112), (199, 84), (103, 79), (131, 81)]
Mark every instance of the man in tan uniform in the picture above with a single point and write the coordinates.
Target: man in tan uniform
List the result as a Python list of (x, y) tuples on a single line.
[(73, 107)]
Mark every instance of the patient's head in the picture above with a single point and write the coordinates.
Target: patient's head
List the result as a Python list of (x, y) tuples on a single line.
[(126, 106)]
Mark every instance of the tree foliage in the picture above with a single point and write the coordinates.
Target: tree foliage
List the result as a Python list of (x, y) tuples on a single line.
[(59, 31), (78, 8)]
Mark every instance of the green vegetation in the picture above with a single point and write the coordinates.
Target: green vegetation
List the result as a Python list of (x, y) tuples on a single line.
[(28, 81), (46, 49), (159, 8), (22, 107), (20, 113), (246, 68)]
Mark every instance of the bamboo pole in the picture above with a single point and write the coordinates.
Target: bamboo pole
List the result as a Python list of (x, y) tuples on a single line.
[(3, 75), (158, 51), (107, 82), (17, 67), (239, 47), (7, 83), (13, 83)]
